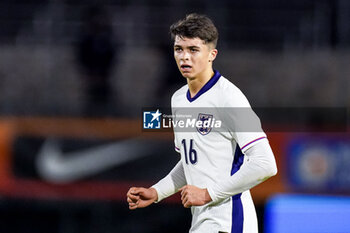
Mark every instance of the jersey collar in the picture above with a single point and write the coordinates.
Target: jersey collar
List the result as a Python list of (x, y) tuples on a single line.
[(205, 88)]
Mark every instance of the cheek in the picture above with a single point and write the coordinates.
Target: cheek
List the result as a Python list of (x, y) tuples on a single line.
[(202, 61), (176, 59), (202, 58)]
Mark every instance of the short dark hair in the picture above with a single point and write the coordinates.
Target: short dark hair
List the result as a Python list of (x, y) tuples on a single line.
[(195, 25)]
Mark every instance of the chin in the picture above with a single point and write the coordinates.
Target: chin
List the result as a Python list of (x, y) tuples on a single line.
[(187, 75)]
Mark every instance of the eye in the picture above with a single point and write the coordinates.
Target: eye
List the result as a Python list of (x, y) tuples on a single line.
[(194, 50), (177, 49)]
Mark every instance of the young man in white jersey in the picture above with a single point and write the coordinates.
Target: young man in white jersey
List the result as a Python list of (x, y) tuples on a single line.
[(217, 168)]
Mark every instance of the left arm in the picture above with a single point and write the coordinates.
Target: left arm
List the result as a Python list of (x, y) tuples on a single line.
[(258, 166)]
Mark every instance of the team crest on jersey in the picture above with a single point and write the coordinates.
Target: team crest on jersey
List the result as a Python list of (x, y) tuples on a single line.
[(206, 126)]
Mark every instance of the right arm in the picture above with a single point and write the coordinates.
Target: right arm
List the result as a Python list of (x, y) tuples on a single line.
[(171, 183), (143, 197)]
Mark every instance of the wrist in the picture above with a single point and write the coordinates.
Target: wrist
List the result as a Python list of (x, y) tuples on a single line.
[(154, 194), (207, 197), (211, 194)]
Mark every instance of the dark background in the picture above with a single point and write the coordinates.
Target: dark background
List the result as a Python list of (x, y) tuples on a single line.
[(70, 67)]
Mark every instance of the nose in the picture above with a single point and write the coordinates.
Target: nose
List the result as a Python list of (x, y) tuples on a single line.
[(185, 56)]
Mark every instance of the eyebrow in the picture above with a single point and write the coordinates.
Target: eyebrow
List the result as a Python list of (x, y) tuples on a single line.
[(190, 47)]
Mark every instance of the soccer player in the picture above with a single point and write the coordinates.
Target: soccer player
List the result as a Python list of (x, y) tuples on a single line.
[(217, 168)]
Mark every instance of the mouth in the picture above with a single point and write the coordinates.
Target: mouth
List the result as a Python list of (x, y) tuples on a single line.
[(185, 68)]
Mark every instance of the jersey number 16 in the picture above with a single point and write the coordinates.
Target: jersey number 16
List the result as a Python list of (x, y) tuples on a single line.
[(191, 154)]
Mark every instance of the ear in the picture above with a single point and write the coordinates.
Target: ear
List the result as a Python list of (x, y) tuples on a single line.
[(212, 54)]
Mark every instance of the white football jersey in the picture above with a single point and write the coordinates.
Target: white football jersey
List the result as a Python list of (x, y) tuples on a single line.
[(209, 155)]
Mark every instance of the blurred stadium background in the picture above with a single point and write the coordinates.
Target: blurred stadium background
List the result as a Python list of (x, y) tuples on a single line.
[(75, 75)]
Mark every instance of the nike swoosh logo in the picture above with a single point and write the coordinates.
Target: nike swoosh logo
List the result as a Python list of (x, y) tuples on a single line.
[(55, 167)]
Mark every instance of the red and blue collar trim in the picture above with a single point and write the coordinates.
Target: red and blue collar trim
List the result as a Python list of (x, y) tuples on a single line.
[(205, 88)]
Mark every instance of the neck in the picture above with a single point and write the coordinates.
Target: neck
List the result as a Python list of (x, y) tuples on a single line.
[(196, 83)]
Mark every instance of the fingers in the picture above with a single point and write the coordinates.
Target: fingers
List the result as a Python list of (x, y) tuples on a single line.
[(133, 198), (184, 189), (139, 197), (185, 197), (134, 190), (194, 196), (133, 204), (132, 195), (185, 202)]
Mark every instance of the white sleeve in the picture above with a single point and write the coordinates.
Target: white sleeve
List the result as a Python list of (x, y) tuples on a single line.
[(177, 147), (259, 164), (171, 183), (241, 120)]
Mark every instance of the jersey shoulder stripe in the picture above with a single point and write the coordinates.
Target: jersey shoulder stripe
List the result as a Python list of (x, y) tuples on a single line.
[(243, 147)]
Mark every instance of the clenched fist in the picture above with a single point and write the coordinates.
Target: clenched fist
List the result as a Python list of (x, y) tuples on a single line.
[(139, 197), (194, 196)]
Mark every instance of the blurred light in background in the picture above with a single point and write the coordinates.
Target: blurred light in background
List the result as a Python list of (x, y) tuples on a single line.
[(307, 214), (319, 163)]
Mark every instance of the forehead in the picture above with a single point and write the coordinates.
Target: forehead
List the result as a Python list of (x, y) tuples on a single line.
[(187, 42)]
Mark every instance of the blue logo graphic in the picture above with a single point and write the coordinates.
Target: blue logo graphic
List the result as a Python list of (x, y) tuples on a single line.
[(207, 123), (151, 120)]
